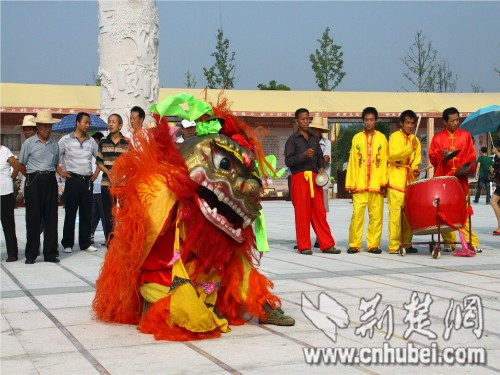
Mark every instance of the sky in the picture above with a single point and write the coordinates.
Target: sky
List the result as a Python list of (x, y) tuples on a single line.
[(57, 42)]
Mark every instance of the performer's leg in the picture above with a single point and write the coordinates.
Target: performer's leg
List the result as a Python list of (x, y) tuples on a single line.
[(407, 233), (395, 201), (470, 235), (468, 229), (449, 237), (359, 202), (376, 217), (318, 220), (301, 199)]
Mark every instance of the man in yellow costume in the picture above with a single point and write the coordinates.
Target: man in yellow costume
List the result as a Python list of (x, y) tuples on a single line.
[(367, 181), (404, 157)]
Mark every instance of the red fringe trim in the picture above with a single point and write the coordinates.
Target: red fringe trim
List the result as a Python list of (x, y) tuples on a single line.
[(117, 297)]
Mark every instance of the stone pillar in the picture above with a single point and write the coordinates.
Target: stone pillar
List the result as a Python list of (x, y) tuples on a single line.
[(128, 54)]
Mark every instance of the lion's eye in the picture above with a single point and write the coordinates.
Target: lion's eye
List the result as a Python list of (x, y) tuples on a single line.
[(225, 163), (222, 161)]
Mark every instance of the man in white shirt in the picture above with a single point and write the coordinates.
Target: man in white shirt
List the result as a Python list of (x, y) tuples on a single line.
[(76, 150)]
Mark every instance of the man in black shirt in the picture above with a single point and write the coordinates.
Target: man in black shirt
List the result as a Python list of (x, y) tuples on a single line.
[(304, 157)]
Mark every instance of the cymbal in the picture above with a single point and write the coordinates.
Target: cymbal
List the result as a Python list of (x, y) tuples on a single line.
[(451, 155), (464, 169)]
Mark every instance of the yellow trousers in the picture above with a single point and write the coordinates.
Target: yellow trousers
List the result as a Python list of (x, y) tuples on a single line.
[(452, 236), (375, 203), (395, 201)]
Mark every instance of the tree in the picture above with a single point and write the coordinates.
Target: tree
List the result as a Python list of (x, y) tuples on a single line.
[(341, 148), (273, 86), (443, 79), (96, 79), (327, 63), (421, 63), (190, 80), (221, 74), (476, 87)]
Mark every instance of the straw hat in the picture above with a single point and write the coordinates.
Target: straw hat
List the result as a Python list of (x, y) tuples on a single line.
[(44, 116), (29, 120), (317, 123)]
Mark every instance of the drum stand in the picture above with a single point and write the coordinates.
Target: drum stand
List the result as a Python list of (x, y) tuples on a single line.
[(434, 247)]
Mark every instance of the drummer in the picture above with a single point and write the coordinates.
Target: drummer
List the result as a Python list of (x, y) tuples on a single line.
[(461, 165), (404, 158)]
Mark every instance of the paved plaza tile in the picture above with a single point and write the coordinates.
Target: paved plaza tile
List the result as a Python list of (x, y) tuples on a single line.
[(364, 302)]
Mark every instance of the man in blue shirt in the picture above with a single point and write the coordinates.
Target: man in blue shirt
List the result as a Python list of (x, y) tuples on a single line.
[(40, 157)]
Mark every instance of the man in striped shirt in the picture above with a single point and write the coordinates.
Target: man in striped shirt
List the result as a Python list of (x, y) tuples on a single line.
[(76, 151), (110, 148)]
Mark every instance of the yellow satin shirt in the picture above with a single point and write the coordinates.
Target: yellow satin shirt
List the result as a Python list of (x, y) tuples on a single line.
[(405, 154), (367, 167)]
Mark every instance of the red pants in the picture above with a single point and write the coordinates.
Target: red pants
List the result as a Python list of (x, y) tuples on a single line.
[(308, 211)]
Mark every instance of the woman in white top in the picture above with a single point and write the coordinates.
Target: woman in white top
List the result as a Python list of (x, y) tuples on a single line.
[(9, 168)]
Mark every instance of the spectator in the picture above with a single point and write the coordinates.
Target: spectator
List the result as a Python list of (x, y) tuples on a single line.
[(109, 150), (76, 151), (40, 158), (7, 163), (29, 129), (484, 163), (137, 116), (188, 130)]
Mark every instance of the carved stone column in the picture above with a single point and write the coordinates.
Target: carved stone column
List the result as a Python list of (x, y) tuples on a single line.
[(128, 53)]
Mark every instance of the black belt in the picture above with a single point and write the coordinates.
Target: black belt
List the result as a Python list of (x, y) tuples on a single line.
[(85, 178), (41, 172)]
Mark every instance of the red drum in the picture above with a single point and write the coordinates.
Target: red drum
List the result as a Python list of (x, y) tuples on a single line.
[(421, 200)]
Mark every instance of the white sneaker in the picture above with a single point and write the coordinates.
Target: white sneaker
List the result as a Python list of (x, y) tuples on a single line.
[(477, 249), (90, 249), (67, 250)]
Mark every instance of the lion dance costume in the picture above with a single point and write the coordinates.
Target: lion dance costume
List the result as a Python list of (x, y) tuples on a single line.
[(182, 264)]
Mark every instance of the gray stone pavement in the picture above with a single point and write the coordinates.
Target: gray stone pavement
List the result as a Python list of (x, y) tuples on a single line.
[(47, 326)]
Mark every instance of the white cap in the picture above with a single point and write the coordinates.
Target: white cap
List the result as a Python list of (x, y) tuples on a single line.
[(187, 124)]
